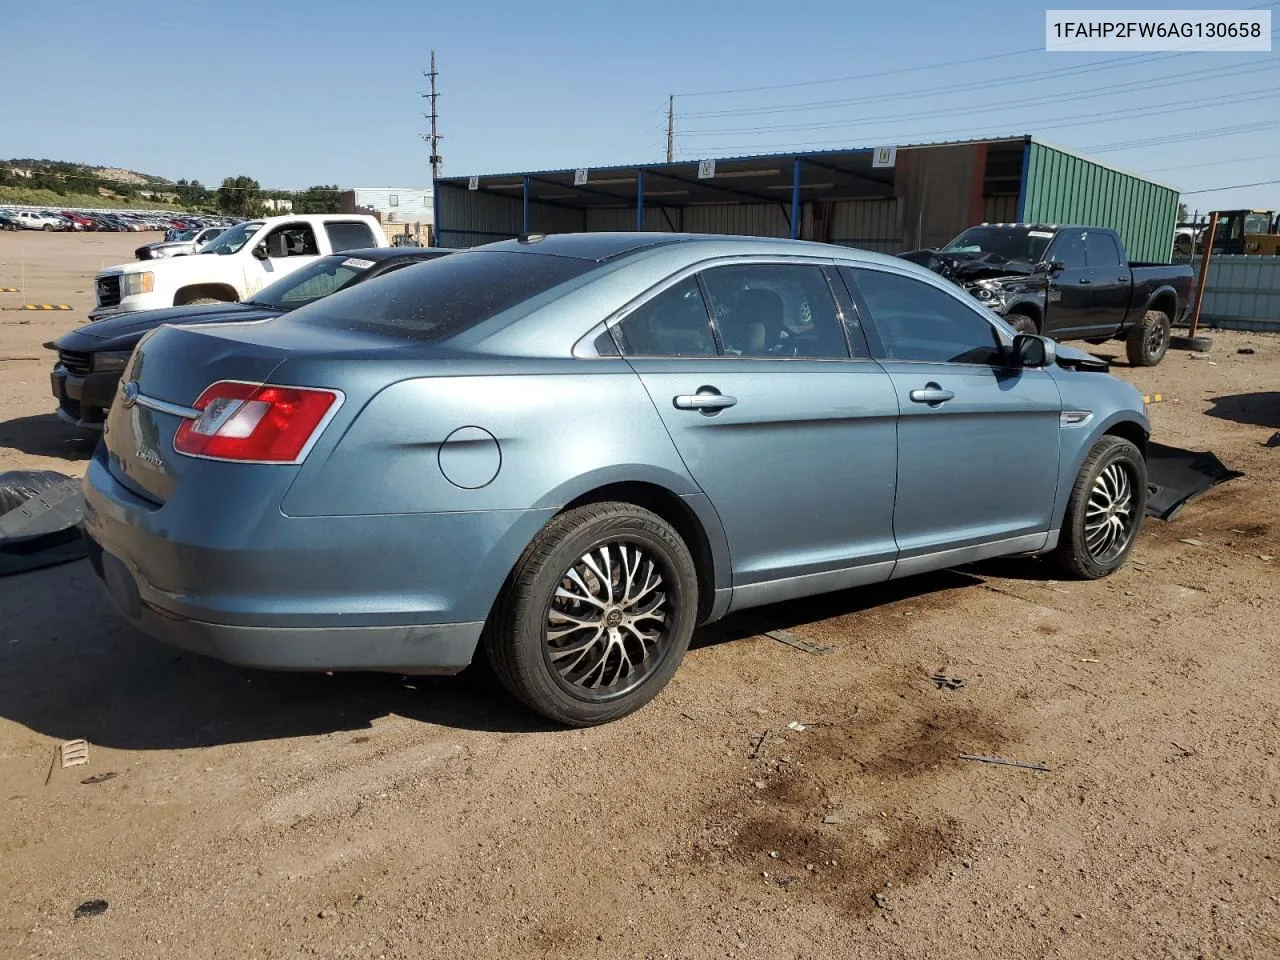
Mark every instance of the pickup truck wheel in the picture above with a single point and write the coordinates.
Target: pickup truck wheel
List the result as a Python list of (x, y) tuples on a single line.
[(201, 301), (1148, 340), (1021, 323), (48, 228), (596, 615), (1105, 511)]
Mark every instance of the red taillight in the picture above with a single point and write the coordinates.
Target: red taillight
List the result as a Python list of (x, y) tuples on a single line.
[(254, 422)]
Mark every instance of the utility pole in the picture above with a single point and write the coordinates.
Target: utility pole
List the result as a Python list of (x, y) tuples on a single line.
[(436, 159), (434, 117), (671, 128)]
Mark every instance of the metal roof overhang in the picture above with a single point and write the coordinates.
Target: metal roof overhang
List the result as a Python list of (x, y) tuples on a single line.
[(821, 175)]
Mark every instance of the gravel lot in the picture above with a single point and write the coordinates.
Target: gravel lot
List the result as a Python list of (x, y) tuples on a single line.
[(276, 815)]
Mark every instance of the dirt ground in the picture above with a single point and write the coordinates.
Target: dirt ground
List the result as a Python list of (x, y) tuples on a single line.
[(274, 815)]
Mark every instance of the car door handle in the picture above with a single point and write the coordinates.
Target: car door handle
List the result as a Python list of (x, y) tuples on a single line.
[(1121, 279), (703, 401), (1084, 280), (932, 394)]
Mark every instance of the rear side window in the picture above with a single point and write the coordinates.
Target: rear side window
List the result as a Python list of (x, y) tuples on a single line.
[(1101, 250), (774, 311), (441, 298), (349, 236), (672, 324)]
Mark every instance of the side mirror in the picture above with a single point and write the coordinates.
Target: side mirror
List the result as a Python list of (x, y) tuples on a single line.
[(1034, 351), (260, 251), (1054, 267)]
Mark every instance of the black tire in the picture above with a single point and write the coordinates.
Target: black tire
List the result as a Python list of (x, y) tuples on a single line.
[(48, 228), (1074, 552), (1148, 341), (1195, 344), (516, 638), (1021, 323)]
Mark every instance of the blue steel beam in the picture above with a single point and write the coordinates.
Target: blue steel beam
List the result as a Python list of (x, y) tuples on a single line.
[(640, 199), (795, 199)]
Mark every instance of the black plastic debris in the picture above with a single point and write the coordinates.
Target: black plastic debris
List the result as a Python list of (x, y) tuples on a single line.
[(1176, 477), (40, 514), (91, 908)]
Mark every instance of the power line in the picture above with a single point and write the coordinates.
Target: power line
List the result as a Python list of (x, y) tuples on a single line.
[(1109, 64), (1230, 131), (1075, 120), (1214, 163), (1082, 95), (863, 76), (1234, 186), (899, 71)]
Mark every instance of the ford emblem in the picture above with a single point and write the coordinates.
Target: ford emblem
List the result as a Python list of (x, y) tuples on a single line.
[(129, 392)]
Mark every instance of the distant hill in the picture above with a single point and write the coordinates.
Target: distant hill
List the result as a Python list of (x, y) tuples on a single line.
[(28, 168)]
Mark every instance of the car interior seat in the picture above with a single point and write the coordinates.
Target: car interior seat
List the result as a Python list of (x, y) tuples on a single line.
[(754, 323)]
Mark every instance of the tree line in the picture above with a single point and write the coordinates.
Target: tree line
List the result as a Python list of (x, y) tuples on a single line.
[(240, 196)]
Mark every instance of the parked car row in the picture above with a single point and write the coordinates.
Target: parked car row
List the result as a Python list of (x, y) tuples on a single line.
[(563, 453), (52, 221)]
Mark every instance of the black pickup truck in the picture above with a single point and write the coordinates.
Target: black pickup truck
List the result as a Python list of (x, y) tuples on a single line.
[(1069, 283)]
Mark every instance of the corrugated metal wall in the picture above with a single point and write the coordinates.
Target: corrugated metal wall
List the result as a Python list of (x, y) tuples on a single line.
[(869, 224), (624, 219), (1063, 188), (1241, 293), (472, 217), (999, 209), (747, 219), (935, 187)]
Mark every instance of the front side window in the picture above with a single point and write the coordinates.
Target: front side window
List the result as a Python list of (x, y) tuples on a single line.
[(672, 324), (919, 322), (775, 310), (1069, 248)]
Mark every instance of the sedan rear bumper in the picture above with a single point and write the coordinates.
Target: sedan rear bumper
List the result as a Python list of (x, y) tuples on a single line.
[(437, 648)]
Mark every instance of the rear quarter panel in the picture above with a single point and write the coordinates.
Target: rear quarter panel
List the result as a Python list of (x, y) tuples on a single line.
[(559, 433)]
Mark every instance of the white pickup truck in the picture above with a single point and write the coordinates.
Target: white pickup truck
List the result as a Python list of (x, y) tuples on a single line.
[(235, 266)]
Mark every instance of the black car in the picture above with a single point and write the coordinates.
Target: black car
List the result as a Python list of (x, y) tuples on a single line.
[(91, 358)]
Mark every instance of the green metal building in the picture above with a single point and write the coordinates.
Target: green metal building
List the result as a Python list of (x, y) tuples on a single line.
[(886, 198), (1062, 187)]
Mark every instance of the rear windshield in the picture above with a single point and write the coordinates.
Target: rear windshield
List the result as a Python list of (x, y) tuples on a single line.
[(441, 298)]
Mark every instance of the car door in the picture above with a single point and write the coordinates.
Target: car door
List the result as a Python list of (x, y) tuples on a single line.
[(1112, 281), (791, 437), (288, 247), (1069, 301), (977, 440)]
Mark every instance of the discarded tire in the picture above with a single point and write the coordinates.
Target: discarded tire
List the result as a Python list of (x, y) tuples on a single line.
[(1198, 344)]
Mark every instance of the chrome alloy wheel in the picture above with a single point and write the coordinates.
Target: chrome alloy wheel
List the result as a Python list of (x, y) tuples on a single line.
[(609, 621), (1155, 338), (1109, 520)]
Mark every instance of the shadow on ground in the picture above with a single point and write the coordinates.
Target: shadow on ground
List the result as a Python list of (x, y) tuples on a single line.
[(1260, 409), (69, 668), (45, 435)]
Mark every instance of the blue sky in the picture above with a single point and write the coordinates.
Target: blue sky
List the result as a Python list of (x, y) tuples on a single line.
[(295, 92)]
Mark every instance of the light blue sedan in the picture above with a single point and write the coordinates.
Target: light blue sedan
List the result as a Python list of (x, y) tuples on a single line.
[(572, 450)]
